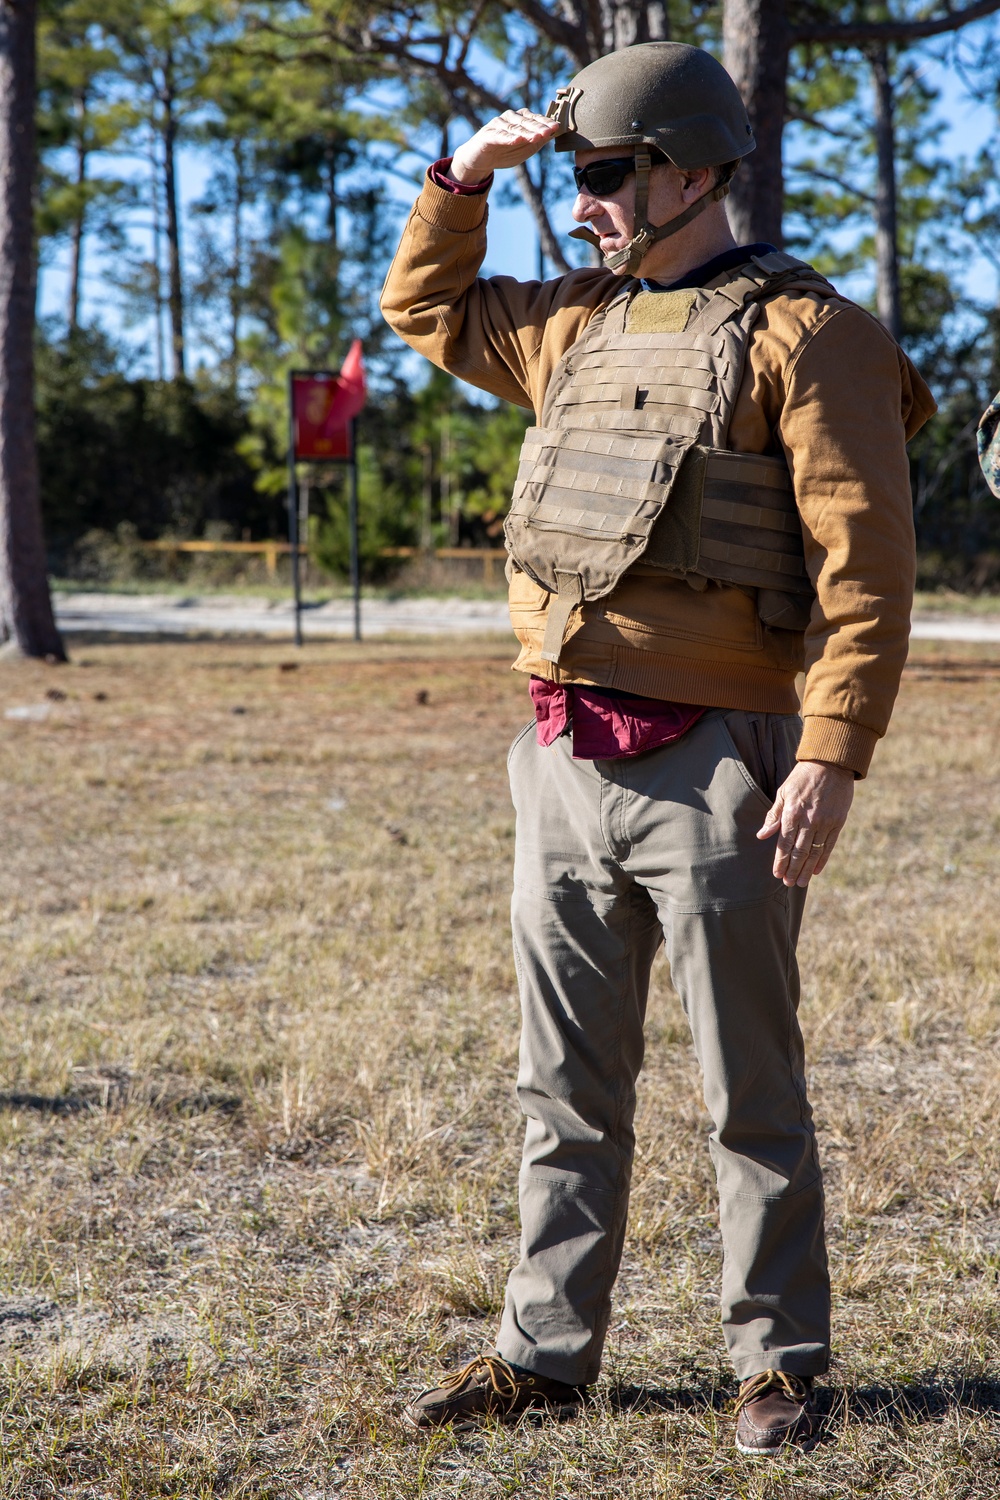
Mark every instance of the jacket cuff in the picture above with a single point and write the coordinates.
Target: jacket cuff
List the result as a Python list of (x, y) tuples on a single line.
[(838, 742), (459, 212), (442, 178)]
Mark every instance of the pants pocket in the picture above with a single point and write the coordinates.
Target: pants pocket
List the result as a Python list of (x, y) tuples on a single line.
[(765, 744), (518, 738)]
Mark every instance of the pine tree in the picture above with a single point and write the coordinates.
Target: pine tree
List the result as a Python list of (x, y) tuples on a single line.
[(25, 605)]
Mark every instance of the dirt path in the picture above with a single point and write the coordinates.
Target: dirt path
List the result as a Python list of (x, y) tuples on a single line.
[(220, 614), (955, 628)]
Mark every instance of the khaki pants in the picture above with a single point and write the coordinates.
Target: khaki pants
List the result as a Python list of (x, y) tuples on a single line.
[(613, 857)]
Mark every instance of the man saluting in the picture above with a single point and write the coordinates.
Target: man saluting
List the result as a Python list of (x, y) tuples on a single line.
[(716, 497)]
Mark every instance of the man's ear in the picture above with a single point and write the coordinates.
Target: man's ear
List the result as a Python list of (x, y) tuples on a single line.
[(698, 179)]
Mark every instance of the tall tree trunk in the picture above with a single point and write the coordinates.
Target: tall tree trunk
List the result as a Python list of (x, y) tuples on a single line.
[(888, 299), (175, 294), (236, 279), (756, 43), (444, 481), (535, 199), (76, 234), (25, 603), (157, 269), (332, 195), (427, 501), (625, 22)]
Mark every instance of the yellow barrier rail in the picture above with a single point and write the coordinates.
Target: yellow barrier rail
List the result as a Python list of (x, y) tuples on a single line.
[(271, 549)]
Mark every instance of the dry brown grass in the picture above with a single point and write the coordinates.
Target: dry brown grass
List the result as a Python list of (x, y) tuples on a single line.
[(257, 1129)]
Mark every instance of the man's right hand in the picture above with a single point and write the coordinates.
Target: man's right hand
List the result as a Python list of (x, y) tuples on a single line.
[(506, 141)]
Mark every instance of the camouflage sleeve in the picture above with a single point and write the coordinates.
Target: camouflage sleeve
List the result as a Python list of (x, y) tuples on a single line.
[(988, 442)]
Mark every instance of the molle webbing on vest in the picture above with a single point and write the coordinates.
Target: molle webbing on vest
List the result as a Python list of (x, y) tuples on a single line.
[(631, 461), (749, 531), (602, 484)]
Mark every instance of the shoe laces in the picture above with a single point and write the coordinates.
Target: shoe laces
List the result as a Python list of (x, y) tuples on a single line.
[(504, 1380), (758, 1385)]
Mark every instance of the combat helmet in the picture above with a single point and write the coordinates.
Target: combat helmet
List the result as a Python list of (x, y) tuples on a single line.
[(664, 99)]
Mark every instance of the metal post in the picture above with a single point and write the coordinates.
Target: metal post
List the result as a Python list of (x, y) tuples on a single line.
[(353, 521), (293, 511), (304, 531)]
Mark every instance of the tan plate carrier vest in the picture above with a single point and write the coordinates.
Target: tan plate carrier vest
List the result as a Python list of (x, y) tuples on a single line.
[(631, 459)]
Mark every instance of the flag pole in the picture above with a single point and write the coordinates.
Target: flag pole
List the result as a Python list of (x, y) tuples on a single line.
[(293, 511), (353, 520)]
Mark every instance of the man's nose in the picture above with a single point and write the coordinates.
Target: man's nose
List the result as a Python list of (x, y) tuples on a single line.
[(585, 206)]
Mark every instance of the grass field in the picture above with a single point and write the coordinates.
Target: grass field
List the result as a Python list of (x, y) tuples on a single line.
[(257, 1130)]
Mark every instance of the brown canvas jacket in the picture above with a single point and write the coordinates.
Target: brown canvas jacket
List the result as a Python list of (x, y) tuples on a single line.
[(824, 384)]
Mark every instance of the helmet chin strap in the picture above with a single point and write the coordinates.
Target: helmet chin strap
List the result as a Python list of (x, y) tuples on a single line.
[(630, 256)]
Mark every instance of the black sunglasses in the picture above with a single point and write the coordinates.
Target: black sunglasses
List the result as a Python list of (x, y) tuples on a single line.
[(602, 178)]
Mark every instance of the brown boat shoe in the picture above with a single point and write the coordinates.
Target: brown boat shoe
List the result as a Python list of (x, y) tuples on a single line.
[(772, 1409), (489, 1387)]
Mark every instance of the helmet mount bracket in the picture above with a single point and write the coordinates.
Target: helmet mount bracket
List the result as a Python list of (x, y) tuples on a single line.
[(563, 106)]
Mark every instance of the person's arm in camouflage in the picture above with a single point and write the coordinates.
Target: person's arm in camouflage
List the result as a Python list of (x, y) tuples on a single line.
[(988, 442)]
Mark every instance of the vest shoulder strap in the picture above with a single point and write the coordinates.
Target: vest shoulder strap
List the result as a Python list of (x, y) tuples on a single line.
[(786, 273), (762, 277), (777, 262)]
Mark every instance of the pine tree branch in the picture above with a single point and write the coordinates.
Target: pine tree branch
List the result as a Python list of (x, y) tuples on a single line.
[(559, 32), (534, 198), (840, 182), (848, 34), (469, 99), (801, 117)]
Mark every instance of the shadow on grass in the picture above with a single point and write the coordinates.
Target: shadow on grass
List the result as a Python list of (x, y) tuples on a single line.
[(45, 1104), (694, 1396), (929, 1398), (114, 1093)]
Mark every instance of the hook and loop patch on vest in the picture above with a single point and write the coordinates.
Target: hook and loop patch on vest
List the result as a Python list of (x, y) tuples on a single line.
[(631, 460)]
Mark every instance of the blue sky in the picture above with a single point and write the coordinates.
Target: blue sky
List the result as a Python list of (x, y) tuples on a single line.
[(513, 244)]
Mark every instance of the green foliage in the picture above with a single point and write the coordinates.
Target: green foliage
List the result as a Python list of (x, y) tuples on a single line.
[(77, 116), (385, 519), (946, 210), (303, 111), (957, 517), (830, 204), (162, 456), (492, 446)]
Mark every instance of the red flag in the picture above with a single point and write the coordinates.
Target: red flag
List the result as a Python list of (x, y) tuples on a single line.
[(351, 388), (323, 406)]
